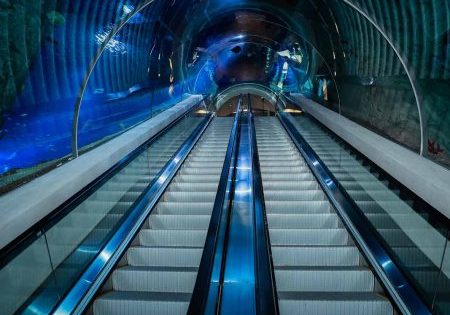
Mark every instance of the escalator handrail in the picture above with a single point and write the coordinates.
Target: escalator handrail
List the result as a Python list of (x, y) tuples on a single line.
[(267, 299), (399, 289), (205, 297), (438, 220), (82, 294), (14, 248)]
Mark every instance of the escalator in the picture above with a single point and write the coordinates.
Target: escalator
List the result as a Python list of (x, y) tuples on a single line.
[(61, 262), (91, 222), (318, 268), (218, 210), (413, 233), (412, 239), (159, 271)]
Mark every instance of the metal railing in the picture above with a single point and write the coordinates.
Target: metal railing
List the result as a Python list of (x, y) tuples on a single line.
[(267, 299), (82, 293), (50, 260), (206, 295), (398, 287)]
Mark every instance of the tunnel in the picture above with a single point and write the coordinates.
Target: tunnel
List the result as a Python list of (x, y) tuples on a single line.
[(224, 157)]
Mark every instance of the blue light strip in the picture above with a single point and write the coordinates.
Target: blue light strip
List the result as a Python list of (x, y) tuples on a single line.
[(239, 285)]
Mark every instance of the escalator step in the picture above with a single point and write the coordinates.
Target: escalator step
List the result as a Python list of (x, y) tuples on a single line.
[(175, 238), (190, 196), (164, 256), (303, 221), (297, 207), (324, 279), (311, 237), (334, 303), (316, 256), (300, 195), (148, 279), (182, 208), (191, 222), (286, 186), (142, 303)]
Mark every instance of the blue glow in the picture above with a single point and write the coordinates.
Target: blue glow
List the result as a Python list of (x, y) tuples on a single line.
[(386, 264), (114, 45)]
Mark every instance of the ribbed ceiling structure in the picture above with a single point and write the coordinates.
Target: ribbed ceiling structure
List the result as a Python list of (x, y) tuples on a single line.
[(74, 73)]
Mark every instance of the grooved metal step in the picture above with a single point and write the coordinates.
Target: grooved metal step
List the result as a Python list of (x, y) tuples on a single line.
[(308, 237), (325, 279), (334, 303), (162, 264), (147, 279), (318, 269), (142, 303), (176, 238)]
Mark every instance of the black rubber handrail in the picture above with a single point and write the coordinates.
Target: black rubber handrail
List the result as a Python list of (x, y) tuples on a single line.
[(206, 294)]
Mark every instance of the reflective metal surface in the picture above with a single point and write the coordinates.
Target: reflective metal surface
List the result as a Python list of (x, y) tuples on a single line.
[(267, 300), (207, 287), (86, 287), (75, 233), (406, 299), (239, 283)]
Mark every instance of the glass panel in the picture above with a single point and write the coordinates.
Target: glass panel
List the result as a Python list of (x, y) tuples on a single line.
[(374, 88), (416, 245), (168, 88), (134, 80), (45, 49), (23, 275), (74, 240), (421, 30), (442, 302), (119, 94)]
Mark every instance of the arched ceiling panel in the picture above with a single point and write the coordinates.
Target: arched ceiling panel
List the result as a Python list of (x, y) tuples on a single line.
[(384, 64)]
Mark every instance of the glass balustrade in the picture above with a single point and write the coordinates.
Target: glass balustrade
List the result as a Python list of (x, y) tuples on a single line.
[(415, 240), (36, 275)]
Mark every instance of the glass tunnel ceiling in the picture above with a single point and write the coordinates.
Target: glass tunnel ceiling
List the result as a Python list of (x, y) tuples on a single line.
[(384, 64)]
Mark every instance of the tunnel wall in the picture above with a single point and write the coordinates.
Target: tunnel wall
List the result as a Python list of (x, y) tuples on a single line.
[(375, 90), (387, 61), (22, 208), (47, 49)]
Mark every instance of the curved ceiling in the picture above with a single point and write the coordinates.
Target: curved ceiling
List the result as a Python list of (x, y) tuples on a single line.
[(87, 70)]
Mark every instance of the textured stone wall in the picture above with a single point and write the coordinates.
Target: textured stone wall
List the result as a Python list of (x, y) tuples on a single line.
[(24, 25), (374, 87)]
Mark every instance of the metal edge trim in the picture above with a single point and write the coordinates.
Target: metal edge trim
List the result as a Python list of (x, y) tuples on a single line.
[(206, 293), (83, 292), (267, 296), (20, 243), (404, 296)]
